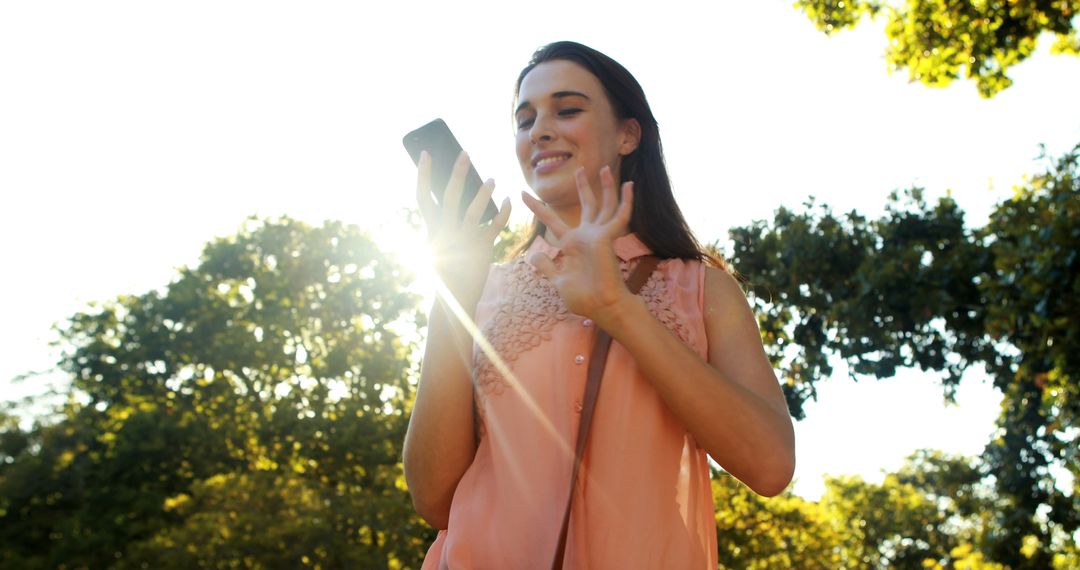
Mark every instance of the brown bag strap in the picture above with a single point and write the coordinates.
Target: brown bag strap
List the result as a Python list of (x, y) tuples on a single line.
[(637, 279)]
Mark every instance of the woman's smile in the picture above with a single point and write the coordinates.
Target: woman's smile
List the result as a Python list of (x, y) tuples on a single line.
[(548, 161)]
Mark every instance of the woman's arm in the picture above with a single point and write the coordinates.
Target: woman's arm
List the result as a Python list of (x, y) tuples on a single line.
[(439, 443), (732, 404)]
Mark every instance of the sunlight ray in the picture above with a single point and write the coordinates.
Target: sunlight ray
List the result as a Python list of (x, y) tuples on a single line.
[(501, 366)]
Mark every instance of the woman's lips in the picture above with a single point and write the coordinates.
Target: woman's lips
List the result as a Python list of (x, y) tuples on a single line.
[(550, 163)]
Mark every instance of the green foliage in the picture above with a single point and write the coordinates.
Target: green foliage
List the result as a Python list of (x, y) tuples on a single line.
[(265, 519), (509, 240), (938, 41), (831, 16), (916, 288), (1033, 299), (932, 513), (891, 524), (13, 440), (884, 294), (251, 413), (755, 533)]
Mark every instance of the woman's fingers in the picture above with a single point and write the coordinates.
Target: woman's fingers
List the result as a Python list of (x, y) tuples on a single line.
[(424, 201), (607, 192), (626, 208), (546, 215), (611, 213), (585, 196), (443, 217), (479, 203), (499, 221), (451, 202)]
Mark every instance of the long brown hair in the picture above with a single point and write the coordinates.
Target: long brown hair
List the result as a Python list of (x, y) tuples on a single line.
[(656, 218)]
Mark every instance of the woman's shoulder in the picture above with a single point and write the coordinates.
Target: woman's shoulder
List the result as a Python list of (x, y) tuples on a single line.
[(719, 296), (687, 275), (722, 290), (722, 280)]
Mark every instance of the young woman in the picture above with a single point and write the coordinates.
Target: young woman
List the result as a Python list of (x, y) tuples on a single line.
[(490, 446)]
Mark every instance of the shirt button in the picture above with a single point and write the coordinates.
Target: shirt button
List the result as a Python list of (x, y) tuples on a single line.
[(580, 359), (586, 323)]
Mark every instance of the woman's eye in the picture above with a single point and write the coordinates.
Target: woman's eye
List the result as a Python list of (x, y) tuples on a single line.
[(528, 122)]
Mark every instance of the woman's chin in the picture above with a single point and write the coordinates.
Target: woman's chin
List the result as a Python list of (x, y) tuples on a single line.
[(553, 191), (555, 198)]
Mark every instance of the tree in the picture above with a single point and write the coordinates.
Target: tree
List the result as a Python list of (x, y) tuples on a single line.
[(932, 513), (917, 288), (786, 531), (938, 41), (250, 413)]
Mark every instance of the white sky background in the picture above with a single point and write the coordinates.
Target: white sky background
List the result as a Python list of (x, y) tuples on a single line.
[(131, 133)]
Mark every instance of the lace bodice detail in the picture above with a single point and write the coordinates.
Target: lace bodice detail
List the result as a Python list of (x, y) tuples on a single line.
[(530, 310)]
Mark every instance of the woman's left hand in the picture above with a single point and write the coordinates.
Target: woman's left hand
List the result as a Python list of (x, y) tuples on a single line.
[(587, 275)]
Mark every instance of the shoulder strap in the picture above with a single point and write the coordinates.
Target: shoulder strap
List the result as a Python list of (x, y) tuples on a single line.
[(637, 279)]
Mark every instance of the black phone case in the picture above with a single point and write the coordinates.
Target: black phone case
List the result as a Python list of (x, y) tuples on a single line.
[(436, 138)]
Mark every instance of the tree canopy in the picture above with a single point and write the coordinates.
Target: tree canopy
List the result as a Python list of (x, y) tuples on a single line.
[(918, 288), (938, 41), (934, 512), (249, 413)]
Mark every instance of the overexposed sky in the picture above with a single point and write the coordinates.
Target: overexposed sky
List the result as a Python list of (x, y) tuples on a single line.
[(131, 133)]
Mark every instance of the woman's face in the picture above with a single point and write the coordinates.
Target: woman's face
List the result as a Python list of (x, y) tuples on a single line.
[(565, 121)]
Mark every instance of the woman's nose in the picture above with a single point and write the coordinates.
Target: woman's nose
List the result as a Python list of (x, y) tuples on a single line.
[(541, 131)]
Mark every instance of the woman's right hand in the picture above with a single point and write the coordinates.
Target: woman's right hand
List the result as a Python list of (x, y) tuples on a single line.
[(460, 246)]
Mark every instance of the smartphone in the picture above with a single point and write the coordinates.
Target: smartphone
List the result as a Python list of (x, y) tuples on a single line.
[(436, 138)]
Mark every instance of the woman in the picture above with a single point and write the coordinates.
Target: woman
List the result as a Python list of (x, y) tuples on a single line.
[(489, 450)]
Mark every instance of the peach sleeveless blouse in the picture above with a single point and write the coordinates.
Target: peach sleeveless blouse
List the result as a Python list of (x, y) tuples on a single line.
[(643, 498)]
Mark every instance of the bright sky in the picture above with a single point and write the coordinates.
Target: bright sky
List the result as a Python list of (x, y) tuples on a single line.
[(131, 133)]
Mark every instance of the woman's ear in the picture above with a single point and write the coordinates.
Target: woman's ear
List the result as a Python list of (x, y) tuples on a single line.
[(630, 136)]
